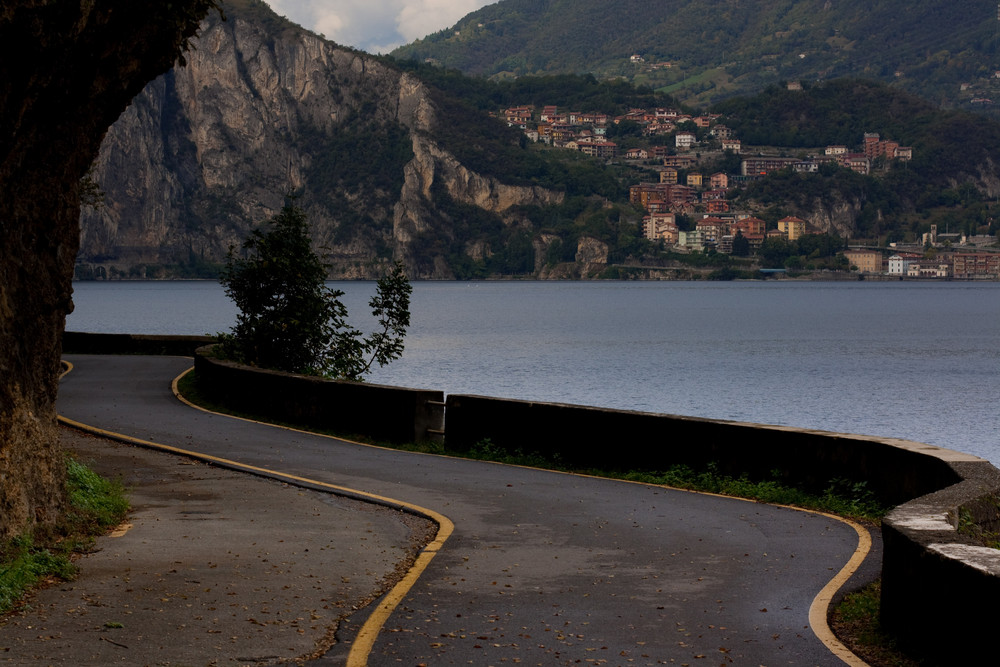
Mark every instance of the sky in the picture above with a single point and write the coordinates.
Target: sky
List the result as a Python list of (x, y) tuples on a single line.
[(376, 26)]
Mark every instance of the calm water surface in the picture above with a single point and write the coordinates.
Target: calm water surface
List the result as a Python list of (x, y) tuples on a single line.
[(910, 360)]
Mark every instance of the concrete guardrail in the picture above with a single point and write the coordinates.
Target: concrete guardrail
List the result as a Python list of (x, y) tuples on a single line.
[(391, 414), (75, 342)]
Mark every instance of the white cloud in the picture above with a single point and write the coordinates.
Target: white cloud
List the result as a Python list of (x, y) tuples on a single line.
[(419, 18), (376, 26), (328, 24)]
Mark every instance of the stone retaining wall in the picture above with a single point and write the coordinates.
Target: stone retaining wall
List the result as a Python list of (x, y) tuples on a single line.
[(75, 342), (895, 470)]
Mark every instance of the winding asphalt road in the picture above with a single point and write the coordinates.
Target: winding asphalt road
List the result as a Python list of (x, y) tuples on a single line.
[(542, 568)]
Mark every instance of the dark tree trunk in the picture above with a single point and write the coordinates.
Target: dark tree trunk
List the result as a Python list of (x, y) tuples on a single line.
[(67, 71)]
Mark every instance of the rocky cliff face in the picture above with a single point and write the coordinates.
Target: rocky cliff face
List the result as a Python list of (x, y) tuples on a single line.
[(839, 218), (261, 109)]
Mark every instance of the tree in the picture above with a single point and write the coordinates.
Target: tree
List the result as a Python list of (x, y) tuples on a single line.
[(68, 71), (290, 320), (741, 245), (774, 251)]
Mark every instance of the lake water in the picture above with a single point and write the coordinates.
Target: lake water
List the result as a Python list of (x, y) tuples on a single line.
[(911, 360)]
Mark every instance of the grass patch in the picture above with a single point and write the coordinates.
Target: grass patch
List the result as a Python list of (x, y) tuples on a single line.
[(855, 622), (485, 450), (95, 504), (701, 77), (968, 525), (841, 497)]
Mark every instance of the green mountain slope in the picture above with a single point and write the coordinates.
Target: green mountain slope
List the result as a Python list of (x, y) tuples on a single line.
[(717, 48), (951, 181)]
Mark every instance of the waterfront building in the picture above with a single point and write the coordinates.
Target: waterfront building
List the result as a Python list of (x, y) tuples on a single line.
[(866, 261), (928, 268), (976, 265), (899, 264)]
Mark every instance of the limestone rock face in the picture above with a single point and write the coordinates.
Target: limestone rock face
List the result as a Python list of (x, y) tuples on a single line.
[(592, 256), (838, 218), (209, 150), (431, 163)]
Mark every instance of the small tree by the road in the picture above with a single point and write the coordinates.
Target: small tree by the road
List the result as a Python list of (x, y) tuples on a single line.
[(290, 320)]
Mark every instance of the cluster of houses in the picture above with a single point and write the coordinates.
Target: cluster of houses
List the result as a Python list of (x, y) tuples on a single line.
[(584, 130), (718, 232), (962, 258), (681, 188), (875, 148), (951, 256), (961, 265), (568, 129)]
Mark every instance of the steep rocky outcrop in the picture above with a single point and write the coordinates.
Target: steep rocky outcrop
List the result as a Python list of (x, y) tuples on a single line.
[(592, 256), (263, 108), (838, 218)]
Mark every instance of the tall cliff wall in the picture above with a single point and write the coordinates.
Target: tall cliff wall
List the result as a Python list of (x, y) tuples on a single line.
[(261, 109)]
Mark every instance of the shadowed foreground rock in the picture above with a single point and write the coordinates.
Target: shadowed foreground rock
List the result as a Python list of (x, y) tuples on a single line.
[(68, 71)]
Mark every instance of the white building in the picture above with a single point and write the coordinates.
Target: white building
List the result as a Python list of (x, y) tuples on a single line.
[(899, 265), (685, 140), (693, 240), (928, 268), (660, 226)]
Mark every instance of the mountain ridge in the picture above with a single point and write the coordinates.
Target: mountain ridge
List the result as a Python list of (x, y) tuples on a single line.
[(718, 48)]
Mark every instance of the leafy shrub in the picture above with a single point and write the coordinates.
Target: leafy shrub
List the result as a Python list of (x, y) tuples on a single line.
[(289, 320)]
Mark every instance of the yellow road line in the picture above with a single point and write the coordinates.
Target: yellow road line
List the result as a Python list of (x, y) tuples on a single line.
[(819, 609), (363, 643), (358, 657)]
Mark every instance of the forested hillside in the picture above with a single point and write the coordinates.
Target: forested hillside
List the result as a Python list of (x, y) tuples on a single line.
[(951, 179), (705, 50), (948, 145)]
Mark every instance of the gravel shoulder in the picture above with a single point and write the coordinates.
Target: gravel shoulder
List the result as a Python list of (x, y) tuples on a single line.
[(213, 567)]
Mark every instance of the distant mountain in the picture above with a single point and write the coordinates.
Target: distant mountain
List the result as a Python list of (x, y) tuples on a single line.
[(705, 50)]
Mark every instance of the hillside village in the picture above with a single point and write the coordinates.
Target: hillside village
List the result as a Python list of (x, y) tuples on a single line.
[(674, 147)]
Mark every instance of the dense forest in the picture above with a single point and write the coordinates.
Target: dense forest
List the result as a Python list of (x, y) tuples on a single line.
[(718, 48)]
